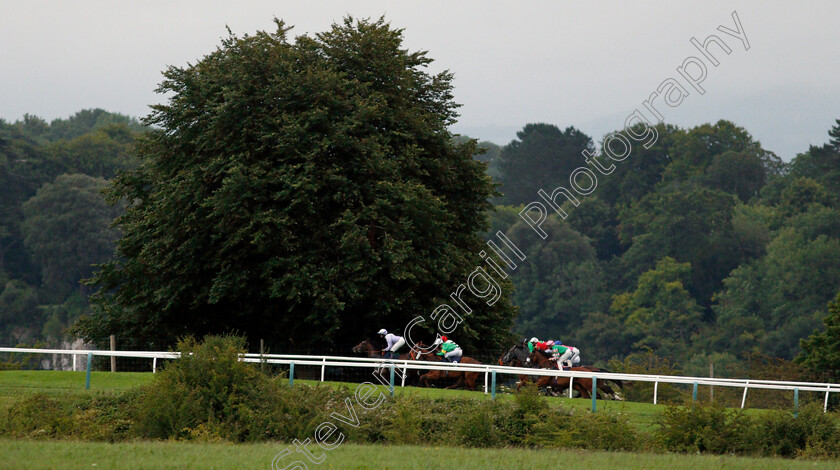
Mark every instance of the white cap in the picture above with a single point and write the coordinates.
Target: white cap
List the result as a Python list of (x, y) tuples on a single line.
[(533, 340), (437, 341), (383, 332)]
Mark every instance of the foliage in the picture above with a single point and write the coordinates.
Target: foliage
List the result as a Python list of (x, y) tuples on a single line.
[(821, 350), (66, 227), (18, 309), (48, 240), (306, 190), (648, 363), (542, 156), (207, 388), (94, 418), (660, 313), (558, 283), (779, 293), (713, 429), (691, 224)]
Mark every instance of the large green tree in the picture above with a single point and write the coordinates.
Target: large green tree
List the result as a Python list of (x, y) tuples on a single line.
[(303, 190), (689, 223), (660, 314)]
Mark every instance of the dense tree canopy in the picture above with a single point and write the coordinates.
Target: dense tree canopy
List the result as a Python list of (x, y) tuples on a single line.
[(543, 156), (66, 227), (305, 190)]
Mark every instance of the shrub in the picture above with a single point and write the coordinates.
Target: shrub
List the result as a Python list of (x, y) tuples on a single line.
[(92, 418), (701, 428), (208, 391), (568, 428), (812, 434)]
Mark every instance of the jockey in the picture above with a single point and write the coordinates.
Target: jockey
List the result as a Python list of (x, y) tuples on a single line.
[(448, 349), (532, 342), (564, 355), (394, 343)]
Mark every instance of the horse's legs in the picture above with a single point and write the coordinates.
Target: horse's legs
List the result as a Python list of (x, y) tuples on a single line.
[(470, 381), (543, 382), (457, 383), (602, 386), (581, 386)]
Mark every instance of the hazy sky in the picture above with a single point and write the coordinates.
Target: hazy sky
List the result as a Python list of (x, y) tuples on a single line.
[(586, 64)]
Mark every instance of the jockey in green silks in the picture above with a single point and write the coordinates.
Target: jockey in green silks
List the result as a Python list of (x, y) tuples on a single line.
[(448, 349)]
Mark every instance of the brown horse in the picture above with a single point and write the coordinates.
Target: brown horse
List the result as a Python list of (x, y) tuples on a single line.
[(462, 378), (368, 349), (582, 384)]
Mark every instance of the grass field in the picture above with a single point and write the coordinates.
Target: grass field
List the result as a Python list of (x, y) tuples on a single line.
[(69, 455)]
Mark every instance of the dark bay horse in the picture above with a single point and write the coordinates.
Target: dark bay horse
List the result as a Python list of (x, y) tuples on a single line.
[(582, 384), (518, 356), (462, 378)]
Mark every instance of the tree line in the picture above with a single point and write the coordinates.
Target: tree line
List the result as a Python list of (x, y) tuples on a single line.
[(54, 223), (704, 245)]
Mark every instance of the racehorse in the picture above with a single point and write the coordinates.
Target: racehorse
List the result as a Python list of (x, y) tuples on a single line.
[(581, 384), (463, 378), (368, 349), (517, 356)]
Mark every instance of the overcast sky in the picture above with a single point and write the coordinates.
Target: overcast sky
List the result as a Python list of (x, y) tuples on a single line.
[(582, 64)]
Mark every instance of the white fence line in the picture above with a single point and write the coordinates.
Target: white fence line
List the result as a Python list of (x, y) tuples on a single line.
[(405, 365)]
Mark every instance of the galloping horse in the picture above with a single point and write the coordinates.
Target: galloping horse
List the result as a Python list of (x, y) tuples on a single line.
[(517, 356), (368, 349), (463, 378), (581, 384)]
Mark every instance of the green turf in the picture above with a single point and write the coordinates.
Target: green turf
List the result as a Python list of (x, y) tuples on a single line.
[(69, 455), (16, 384)]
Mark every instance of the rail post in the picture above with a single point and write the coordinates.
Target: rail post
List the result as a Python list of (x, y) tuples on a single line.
[(744, 398), (113, 358), (694, 392), (323, 368), (825, 405), (594, 393), (486, 373), (87, 375), (154, 365), (571, 381), (291, 373), (262, 359), (795, 402), (392, 379), (404, 374), (493, 387), (655, 390)]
